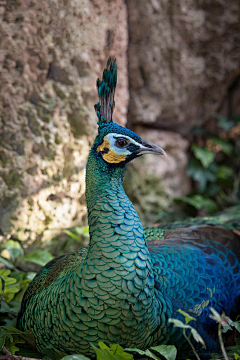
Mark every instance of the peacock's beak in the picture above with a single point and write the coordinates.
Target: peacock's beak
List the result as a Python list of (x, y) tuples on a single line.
[(148, 148)]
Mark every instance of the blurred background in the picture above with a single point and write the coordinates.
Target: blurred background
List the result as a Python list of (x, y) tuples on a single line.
[(178, 87)]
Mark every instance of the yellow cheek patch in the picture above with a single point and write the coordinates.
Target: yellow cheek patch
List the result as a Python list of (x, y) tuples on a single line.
[(105, 144), (111, 156)]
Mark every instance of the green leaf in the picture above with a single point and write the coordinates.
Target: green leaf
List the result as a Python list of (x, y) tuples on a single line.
[(10, 292), (7, 280), (2, 287), (14, 249), (231, 324), (29, 338), (103, 346), (231, 350), (217, 317), (179, 324), (226, 328), (31, 275), (226, 147), (2, 338), (114, 352), (51, 354), (6, 263), (11, 341), (8, 285), (118, 351), (224, 122), (75, 357), (103, 354), (11, 345), (23, 282), (199, 174), (15, 306), (82, 230), (19, 336), (187, 317), (73, 236), (40, 257), (147, 353), (12, 330), (4, 307), (224, 172), (199, 202), (168, 351), (197, 337), (29, 353), (204, 155)]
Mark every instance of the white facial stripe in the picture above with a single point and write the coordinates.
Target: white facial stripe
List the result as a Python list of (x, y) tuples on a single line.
[(111, 138), (132, 141)]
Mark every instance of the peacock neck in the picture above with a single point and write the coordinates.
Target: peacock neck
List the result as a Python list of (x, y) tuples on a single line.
[(100, 179), (116, 232), (111, 214)]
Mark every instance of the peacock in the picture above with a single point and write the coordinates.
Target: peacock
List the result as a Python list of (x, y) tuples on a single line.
[(126, 285)]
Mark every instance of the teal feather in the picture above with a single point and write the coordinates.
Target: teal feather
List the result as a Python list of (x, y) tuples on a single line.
[(106, 90)]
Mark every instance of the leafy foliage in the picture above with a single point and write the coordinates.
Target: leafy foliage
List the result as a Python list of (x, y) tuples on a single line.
[(169, 352), (179, 324), (78, 233), (214, 166), (12, 287), (14, 249), (112, 352), (204, 155), (75, 357), (225, 324), (39, 257)]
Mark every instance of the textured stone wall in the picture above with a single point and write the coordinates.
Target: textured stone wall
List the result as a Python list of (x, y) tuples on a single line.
[(51, 54), (184, 56)]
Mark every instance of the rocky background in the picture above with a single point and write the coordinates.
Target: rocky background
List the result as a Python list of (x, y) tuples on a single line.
[(51, 55), (178, 63)]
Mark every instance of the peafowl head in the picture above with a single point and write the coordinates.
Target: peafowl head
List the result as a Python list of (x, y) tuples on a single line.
[(116, 145)]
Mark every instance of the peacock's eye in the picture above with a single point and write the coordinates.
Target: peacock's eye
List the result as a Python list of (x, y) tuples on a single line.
[(121, 142)]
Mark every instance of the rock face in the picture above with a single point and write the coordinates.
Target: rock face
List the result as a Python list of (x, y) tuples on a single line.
[(51, 54), (184, 56)]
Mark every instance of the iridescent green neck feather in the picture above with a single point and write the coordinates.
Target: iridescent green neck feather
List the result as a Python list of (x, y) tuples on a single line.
[(100, 176)]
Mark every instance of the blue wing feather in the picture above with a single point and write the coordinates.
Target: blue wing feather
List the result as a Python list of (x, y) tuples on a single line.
[(196, 274)]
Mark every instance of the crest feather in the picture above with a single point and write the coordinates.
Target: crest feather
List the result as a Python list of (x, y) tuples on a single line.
[(106, 91)]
